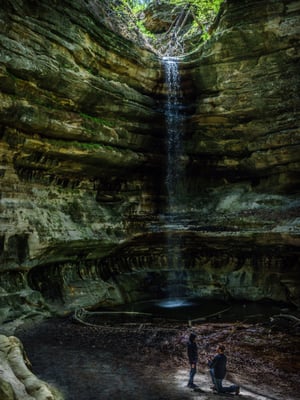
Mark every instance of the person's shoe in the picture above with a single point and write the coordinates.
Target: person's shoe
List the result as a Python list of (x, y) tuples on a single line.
[(192, 385), (237, 391)]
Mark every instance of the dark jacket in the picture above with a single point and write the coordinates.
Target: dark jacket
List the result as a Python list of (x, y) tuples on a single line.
[(219, 366), (192, 351)]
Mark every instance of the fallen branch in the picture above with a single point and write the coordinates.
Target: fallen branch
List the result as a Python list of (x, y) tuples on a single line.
[(81, 314), (207, 316), (287, 316)]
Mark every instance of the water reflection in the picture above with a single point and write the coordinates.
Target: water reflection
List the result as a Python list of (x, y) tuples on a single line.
[(174, 303)]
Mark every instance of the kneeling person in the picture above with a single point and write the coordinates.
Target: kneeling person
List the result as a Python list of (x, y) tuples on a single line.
[(218, 371)]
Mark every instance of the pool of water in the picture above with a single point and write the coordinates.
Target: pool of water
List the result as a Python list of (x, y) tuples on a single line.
[(184, 309)]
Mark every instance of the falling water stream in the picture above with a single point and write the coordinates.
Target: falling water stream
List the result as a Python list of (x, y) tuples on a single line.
[(174, 176), (174, 131)]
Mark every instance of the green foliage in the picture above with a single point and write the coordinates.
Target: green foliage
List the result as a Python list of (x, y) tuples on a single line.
[(144, 31), (201, 12), (98, 120), (202, 8)]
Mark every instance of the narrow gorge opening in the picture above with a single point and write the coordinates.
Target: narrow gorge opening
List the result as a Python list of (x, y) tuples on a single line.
[(168, 28)]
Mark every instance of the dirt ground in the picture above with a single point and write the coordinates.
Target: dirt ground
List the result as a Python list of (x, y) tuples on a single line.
[(147, 361)]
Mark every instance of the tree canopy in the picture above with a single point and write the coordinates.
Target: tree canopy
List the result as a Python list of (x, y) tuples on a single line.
[(168, 27)]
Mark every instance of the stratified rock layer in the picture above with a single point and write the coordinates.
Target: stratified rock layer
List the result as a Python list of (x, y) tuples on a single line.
[(82, 151), (81, 140), (246, 124), (243, 139)]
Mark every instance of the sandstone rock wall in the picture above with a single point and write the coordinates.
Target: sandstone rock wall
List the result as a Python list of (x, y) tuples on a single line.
[(81, 139), (243, 138), (246, 123), (82, 149)]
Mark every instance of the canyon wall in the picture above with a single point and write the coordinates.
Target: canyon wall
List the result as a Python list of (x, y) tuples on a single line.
[(82, 150), (243, 141)]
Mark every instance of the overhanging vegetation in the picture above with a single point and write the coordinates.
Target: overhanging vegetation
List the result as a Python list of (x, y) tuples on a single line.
[(167, 27)]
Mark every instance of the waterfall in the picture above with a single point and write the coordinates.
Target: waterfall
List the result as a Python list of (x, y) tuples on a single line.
[(174, 129), (174, 177)]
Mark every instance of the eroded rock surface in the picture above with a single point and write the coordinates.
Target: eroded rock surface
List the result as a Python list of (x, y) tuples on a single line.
[(17, 382), (247, 109), (80, 140), (82, 150)]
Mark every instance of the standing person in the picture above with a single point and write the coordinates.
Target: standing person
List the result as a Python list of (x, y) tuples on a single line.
[(192, 352), (218, 371)]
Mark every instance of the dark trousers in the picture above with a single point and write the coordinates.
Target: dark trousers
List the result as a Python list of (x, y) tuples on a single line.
[(219, 386), (192, 373)]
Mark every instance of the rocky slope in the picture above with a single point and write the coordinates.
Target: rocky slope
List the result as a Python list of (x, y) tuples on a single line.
[(82, 151)]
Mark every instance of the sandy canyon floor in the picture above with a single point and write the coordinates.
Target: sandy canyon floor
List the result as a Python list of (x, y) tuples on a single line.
[(147, 361)]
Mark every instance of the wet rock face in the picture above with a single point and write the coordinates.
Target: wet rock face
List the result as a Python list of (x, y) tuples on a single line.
[(243, 139), (80, 140), (246, 123), (83, 161)]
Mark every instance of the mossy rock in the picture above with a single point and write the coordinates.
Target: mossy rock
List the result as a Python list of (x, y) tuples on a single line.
[(6, 390)]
